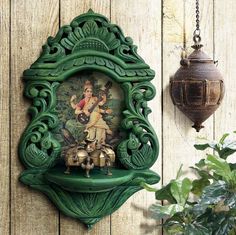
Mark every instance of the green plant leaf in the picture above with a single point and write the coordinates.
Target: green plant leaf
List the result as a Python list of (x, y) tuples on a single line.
[(162, 212), (201, 146), (197, 229), (225, 152), (165, 194), (230, 199), (199, 185), (223, 223), (232, 231), (219, 166), (175, 224), (203, 173), (180, 172), (174, 228), (204, 146), (230, 142), (201, 163), (211, 195), (180, 190), (232, 166), (214, 212), (148, 187), (232, 182), (223, 138)]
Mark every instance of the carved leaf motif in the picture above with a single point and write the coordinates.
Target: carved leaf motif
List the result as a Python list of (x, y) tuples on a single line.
[(109, 64), (46, 141), (125, 54), (72, 38), (79, 33), (84, 206), (43, 73), (37, 139), (146, 111), (100, 61), (144, 154), (35, 156), (103, 34), (57, 71), (120, 71), (79, 61), (140, 157), (67, 43), (112, 42), (130, 73), (84, 29), (68, 65), (90, 28), (90, 60), (33, 111)]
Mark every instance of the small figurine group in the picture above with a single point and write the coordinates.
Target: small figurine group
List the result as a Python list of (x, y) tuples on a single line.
[(89, 154), (93, 150)]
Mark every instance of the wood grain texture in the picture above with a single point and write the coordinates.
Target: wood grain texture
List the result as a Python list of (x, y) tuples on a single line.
[(225, 49), (69, 10), (31, 23), (178, 135), (141, 20), (4, 117)]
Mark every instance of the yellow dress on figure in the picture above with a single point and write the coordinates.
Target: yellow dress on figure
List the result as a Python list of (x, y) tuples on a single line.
[(97, 128)]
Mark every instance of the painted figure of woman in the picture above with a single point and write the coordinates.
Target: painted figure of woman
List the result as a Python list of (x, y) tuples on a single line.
[(96, 126)]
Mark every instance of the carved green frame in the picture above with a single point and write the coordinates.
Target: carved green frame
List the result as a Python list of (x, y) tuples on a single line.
[(90, 42)]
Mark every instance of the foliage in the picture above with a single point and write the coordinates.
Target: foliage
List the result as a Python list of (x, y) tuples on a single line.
[(206, 205)]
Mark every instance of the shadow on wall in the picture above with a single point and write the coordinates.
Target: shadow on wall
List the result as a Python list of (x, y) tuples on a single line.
[(146, 228), (182, 123)]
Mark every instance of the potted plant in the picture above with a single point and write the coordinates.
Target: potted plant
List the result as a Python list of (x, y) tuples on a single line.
[(205, 205)]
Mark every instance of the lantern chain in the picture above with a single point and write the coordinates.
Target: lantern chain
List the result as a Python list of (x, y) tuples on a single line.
[(196, 34)]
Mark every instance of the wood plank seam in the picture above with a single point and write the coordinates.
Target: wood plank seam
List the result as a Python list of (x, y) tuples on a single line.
[(10, 119)]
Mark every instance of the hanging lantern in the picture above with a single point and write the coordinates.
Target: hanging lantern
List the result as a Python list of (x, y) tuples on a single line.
[(197, 88)]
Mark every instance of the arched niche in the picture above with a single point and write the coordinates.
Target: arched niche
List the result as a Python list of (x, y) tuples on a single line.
[(89, 45)]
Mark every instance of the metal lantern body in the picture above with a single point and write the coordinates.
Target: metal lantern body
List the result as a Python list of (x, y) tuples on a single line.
[(197, 88)]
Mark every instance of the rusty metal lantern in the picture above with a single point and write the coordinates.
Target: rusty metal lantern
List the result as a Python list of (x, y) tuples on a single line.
[(197, 88)]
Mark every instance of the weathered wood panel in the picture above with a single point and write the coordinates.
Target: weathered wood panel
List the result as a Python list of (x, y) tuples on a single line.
[(141, 20), (225, 49), (159, 43), (31, 23), (4, 117), (178, 136), (69, 10)]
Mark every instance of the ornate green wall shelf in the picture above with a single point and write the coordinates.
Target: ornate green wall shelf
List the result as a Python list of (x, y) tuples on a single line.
[(89, 63)]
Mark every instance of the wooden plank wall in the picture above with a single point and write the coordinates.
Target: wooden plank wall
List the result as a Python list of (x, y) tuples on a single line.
[(31, 23), (4, 117), (158, 28)]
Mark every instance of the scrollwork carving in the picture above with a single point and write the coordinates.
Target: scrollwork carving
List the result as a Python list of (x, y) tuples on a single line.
[(140, 150), (38, 148)]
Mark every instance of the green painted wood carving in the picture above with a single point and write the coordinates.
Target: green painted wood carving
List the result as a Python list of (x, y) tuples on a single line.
[(89, 144)]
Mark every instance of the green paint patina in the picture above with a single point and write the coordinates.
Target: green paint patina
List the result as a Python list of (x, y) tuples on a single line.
[(90, 42)]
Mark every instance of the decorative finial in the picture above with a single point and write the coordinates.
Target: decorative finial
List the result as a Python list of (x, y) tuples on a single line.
[(197, 126), (90, 10), (197, 46)]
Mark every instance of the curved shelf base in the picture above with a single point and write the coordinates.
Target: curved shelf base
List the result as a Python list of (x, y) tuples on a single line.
[(89, 204)]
